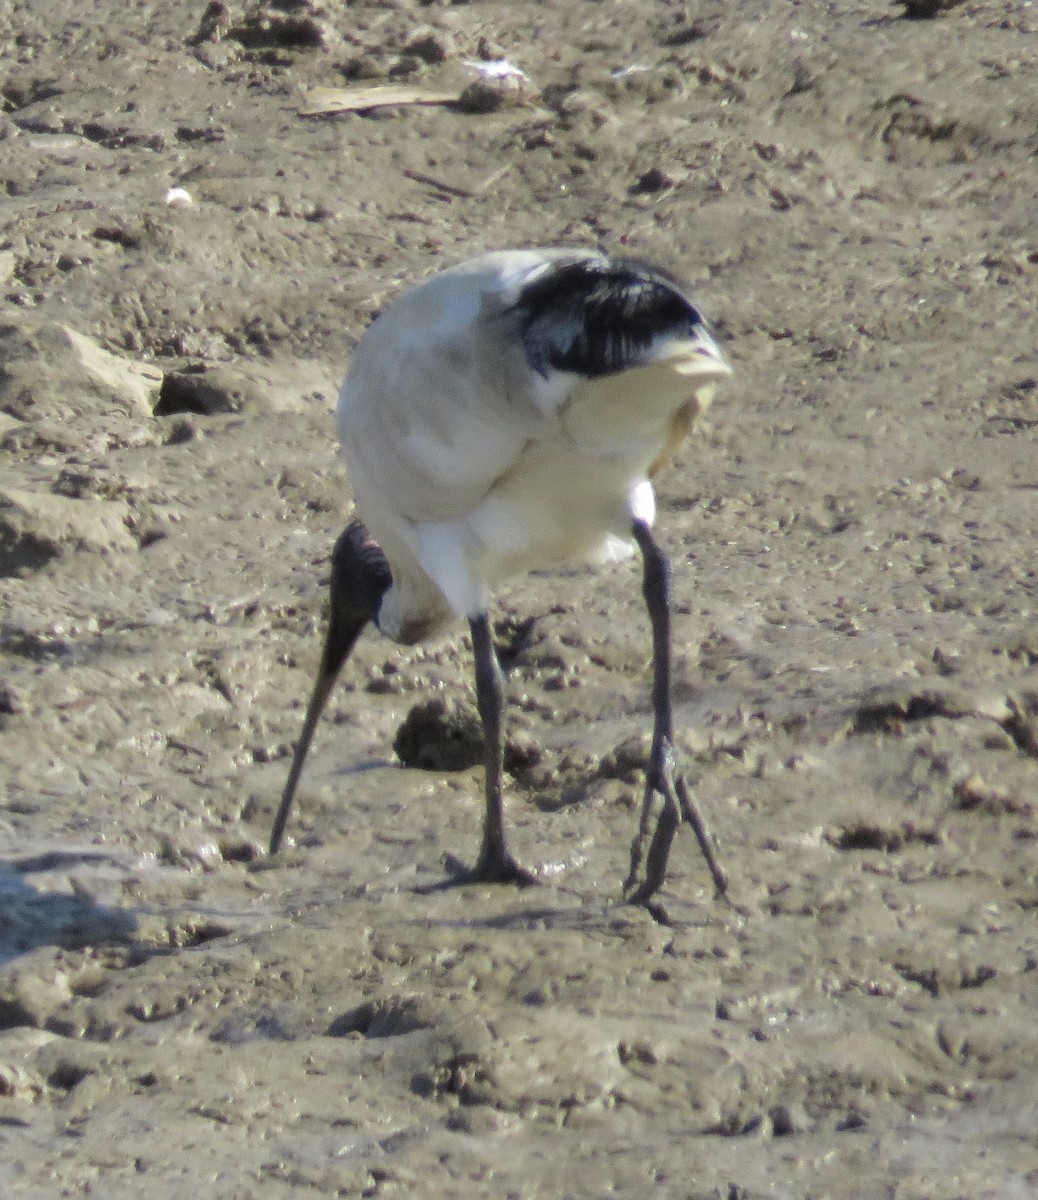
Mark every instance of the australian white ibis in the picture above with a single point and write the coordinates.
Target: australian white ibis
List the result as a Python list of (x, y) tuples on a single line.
[(509, 414)]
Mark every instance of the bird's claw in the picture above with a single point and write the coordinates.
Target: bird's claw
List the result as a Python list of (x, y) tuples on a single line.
[(489, 868), (664, 780)]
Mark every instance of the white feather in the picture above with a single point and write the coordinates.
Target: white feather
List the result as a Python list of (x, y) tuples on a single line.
[(469, 466)]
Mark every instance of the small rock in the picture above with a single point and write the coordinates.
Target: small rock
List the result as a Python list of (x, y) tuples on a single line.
[(288, 386), (440, 735), (28, 998), (430, 45), (653, 180), (628, 761), (267, 29), (925, 10), (364, 66), (406, 64), (789, 1119), (214, 25), (488, 50), (51, 372), (190, 392), (36, 527), (180, 432), (491, 95)]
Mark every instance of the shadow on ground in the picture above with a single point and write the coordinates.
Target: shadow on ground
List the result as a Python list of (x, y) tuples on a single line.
[(30, 918)]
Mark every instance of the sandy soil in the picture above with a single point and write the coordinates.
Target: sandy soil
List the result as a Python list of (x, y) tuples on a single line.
[(852, 195)]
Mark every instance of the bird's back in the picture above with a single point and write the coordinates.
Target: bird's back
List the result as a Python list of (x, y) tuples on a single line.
[(508, 412)]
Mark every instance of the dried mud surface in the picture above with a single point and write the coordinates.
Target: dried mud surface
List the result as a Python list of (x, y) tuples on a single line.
[(852, 195)]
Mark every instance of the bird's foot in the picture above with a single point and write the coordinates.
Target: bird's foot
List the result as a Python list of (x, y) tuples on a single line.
[(651, 846), (641, 891), (489, 868), (655, 908)]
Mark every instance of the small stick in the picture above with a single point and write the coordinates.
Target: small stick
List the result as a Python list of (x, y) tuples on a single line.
[(439, 184)]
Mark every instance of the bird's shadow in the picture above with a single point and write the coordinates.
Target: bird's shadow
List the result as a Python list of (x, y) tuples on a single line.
[(31, 918), (545, 917), (525, 919)]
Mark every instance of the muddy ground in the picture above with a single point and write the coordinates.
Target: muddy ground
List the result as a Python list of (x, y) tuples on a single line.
[(852, 196)]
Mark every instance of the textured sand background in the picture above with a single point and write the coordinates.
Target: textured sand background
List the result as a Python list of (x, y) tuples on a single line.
[(853, 196)]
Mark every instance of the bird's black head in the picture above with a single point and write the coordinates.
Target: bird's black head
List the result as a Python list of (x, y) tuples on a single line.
[(360, 575), (598, 315)]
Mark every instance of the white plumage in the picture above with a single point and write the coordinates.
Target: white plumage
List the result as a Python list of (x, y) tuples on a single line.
[(505, 415)]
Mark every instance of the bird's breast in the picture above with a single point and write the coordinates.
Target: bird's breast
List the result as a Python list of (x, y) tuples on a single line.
[(633, 416)]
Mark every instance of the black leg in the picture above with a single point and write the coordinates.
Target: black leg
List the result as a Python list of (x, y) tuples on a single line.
[(360, 577), (663, 779), (495, 864)]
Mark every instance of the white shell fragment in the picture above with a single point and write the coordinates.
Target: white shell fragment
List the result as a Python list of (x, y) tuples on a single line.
[(178, 197), (499, 68)]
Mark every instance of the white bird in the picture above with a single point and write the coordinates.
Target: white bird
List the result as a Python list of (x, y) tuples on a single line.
[(509, 414)]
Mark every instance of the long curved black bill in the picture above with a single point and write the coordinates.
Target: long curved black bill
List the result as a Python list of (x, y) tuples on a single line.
[(338, 644), (360, 578)]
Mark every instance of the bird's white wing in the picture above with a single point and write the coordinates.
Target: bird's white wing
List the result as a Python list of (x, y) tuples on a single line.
[(440, 401), (507, 414), (433, 430)]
